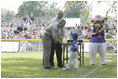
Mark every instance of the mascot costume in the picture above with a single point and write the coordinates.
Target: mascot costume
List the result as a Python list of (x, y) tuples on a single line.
[(97, 41)]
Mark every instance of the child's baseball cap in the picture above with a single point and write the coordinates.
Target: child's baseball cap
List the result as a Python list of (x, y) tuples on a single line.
[(75, 35)]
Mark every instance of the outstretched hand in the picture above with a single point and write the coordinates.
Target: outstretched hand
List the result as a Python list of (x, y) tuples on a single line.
[(65, 44)]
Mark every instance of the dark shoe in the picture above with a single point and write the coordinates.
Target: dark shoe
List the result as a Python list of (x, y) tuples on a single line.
[(104, 64), (76, 68), (61, 66), (47, 68)]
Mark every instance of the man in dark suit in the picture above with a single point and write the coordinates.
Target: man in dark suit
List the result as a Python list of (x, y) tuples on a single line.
[(57, 46)]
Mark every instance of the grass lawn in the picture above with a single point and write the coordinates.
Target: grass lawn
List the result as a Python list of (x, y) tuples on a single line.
[(29, 65)]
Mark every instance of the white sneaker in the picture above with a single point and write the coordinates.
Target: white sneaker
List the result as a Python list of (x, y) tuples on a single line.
[(64, 68)]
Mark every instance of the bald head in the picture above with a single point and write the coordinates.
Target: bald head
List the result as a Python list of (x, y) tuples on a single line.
[(60, 14)]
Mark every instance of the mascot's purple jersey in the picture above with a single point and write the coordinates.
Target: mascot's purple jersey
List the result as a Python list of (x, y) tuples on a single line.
[(97, 37)]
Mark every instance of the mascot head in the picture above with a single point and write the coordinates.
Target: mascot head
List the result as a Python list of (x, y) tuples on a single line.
[(98, 22)]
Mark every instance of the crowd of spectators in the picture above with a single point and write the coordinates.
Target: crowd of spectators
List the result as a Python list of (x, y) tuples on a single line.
[(13, 30), (84, 31)]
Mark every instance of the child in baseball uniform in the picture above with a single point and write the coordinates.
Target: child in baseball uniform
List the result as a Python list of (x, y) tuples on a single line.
[(73, 55)]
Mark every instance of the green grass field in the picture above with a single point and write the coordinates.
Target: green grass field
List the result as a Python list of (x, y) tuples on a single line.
[(29, 65)]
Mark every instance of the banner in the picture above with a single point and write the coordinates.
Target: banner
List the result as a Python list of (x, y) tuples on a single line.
[(9, 46)]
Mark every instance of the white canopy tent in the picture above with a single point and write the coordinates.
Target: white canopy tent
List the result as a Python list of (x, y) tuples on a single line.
[(71, 22)]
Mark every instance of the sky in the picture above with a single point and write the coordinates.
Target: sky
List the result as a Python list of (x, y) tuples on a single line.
[(11, 4)]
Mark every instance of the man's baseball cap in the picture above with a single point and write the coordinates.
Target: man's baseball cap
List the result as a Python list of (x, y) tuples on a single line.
[(98, 18)]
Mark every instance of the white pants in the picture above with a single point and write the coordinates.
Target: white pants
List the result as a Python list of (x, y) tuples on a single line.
[(100, 48), (73, 58)]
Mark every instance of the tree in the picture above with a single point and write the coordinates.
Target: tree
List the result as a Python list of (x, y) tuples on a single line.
[(7, 15), (53, 7), (112, 8), (77, 9), (40, 10), (32, 9)]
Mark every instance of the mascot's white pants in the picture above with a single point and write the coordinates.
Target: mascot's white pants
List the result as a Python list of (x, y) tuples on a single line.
[(100, 48), (73, 58)]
